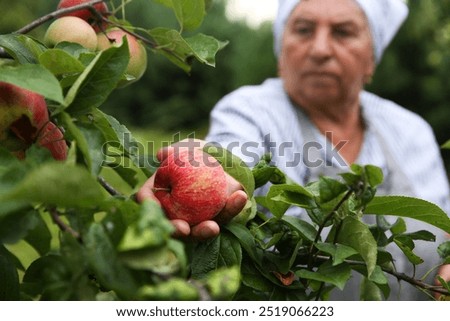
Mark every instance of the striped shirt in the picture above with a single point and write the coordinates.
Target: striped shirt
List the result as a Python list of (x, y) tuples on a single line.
[(254, 120)]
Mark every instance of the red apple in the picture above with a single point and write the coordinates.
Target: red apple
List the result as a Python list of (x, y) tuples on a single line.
[(191, 185), (52, 138), (138, 54), (86, 14), (71, 29), (22, 115)]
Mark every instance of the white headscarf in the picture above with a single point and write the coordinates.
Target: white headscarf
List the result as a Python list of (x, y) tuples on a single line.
[(385, 18)]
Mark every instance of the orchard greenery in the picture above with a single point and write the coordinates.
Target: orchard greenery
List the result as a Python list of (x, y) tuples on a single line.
[(93, 241)]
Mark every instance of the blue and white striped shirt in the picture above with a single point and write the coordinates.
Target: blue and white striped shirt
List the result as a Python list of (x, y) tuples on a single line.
[(255, 120)]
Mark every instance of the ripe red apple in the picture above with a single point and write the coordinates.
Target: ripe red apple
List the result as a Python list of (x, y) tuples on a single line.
[(191, 185), (71, 29), (52, 138), (86, 14), (138, 53), (22, 115)]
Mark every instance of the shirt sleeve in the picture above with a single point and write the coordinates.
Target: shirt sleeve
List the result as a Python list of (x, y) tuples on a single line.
[(234, 127)]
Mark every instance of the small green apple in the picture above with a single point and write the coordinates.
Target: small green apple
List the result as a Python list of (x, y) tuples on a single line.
[(71, 29), (138, 54)]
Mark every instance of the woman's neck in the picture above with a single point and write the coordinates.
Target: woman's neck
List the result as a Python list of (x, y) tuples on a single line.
[(342, 125)]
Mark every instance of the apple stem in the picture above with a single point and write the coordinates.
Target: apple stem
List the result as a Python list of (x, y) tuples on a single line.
[(159, 189)]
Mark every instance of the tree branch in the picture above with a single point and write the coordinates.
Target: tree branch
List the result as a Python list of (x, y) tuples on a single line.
[(399, 275), (55, 14), (62, 225), (110, 189)]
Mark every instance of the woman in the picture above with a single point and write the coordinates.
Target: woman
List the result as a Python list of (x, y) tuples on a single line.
[(316, 118)]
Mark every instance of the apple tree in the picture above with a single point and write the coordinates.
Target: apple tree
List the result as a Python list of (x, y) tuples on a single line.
[(92, 239)]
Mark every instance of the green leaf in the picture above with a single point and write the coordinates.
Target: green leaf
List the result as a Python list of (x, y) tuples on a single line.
[(57, 184), (40, 237), (205, 257), (222, 251), (253, 279), (150, 229), (98, 80), (264, 172), (159, 260), (357, 235), (305, 229), (446, 145), (330, 188), (51, 278), (247, 213), (398, 227), (205, 48), (338, 252), (422, 235), (182, 51), (246, 239), (280, 197), (119, 137), (174, 289), (189, 13), (15, 226), (370, 291), (22, 48), (74, 132), (444, 250), (374, 175), (234, 166), (337, 275), (407, 245), (9, 278), (35, 78), (223, 283), (445, 284), (104, 261), (410, 207), (95, 147), (60, 62)]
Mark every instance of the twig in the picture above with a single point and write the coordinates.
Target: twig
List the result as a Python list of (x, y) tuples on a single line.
[(322, 226), (110, 189), (36, 23), (134, 34), (88, 5), (400, 276), (62, 225)]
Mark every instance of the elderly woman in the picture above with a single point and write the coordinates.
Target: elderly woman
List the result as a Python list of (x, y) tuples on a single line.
[(316, 119)]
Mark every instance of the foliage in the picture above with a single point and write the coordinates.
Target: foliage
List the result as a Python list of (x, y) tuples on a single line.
[(94, 242), (414, 69)]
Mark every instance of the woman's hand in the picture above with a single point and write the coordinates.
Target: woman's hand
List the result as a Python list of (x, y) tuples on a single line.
[(236, 201)]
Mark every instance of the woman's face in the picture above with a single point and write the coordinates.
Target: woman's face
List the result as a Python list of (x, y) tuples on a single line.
[(326, 54)]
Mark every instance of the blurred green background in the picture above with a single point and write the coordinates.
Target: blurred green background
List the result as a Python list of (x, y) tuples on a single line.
[(166, 101)]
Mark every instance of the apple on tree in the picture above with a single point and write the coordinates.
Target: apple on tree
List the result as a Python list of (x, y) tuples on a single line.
[(24, 120), (138, 54), (86, 14), (191, 185), (71, 29), (22, 114)]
